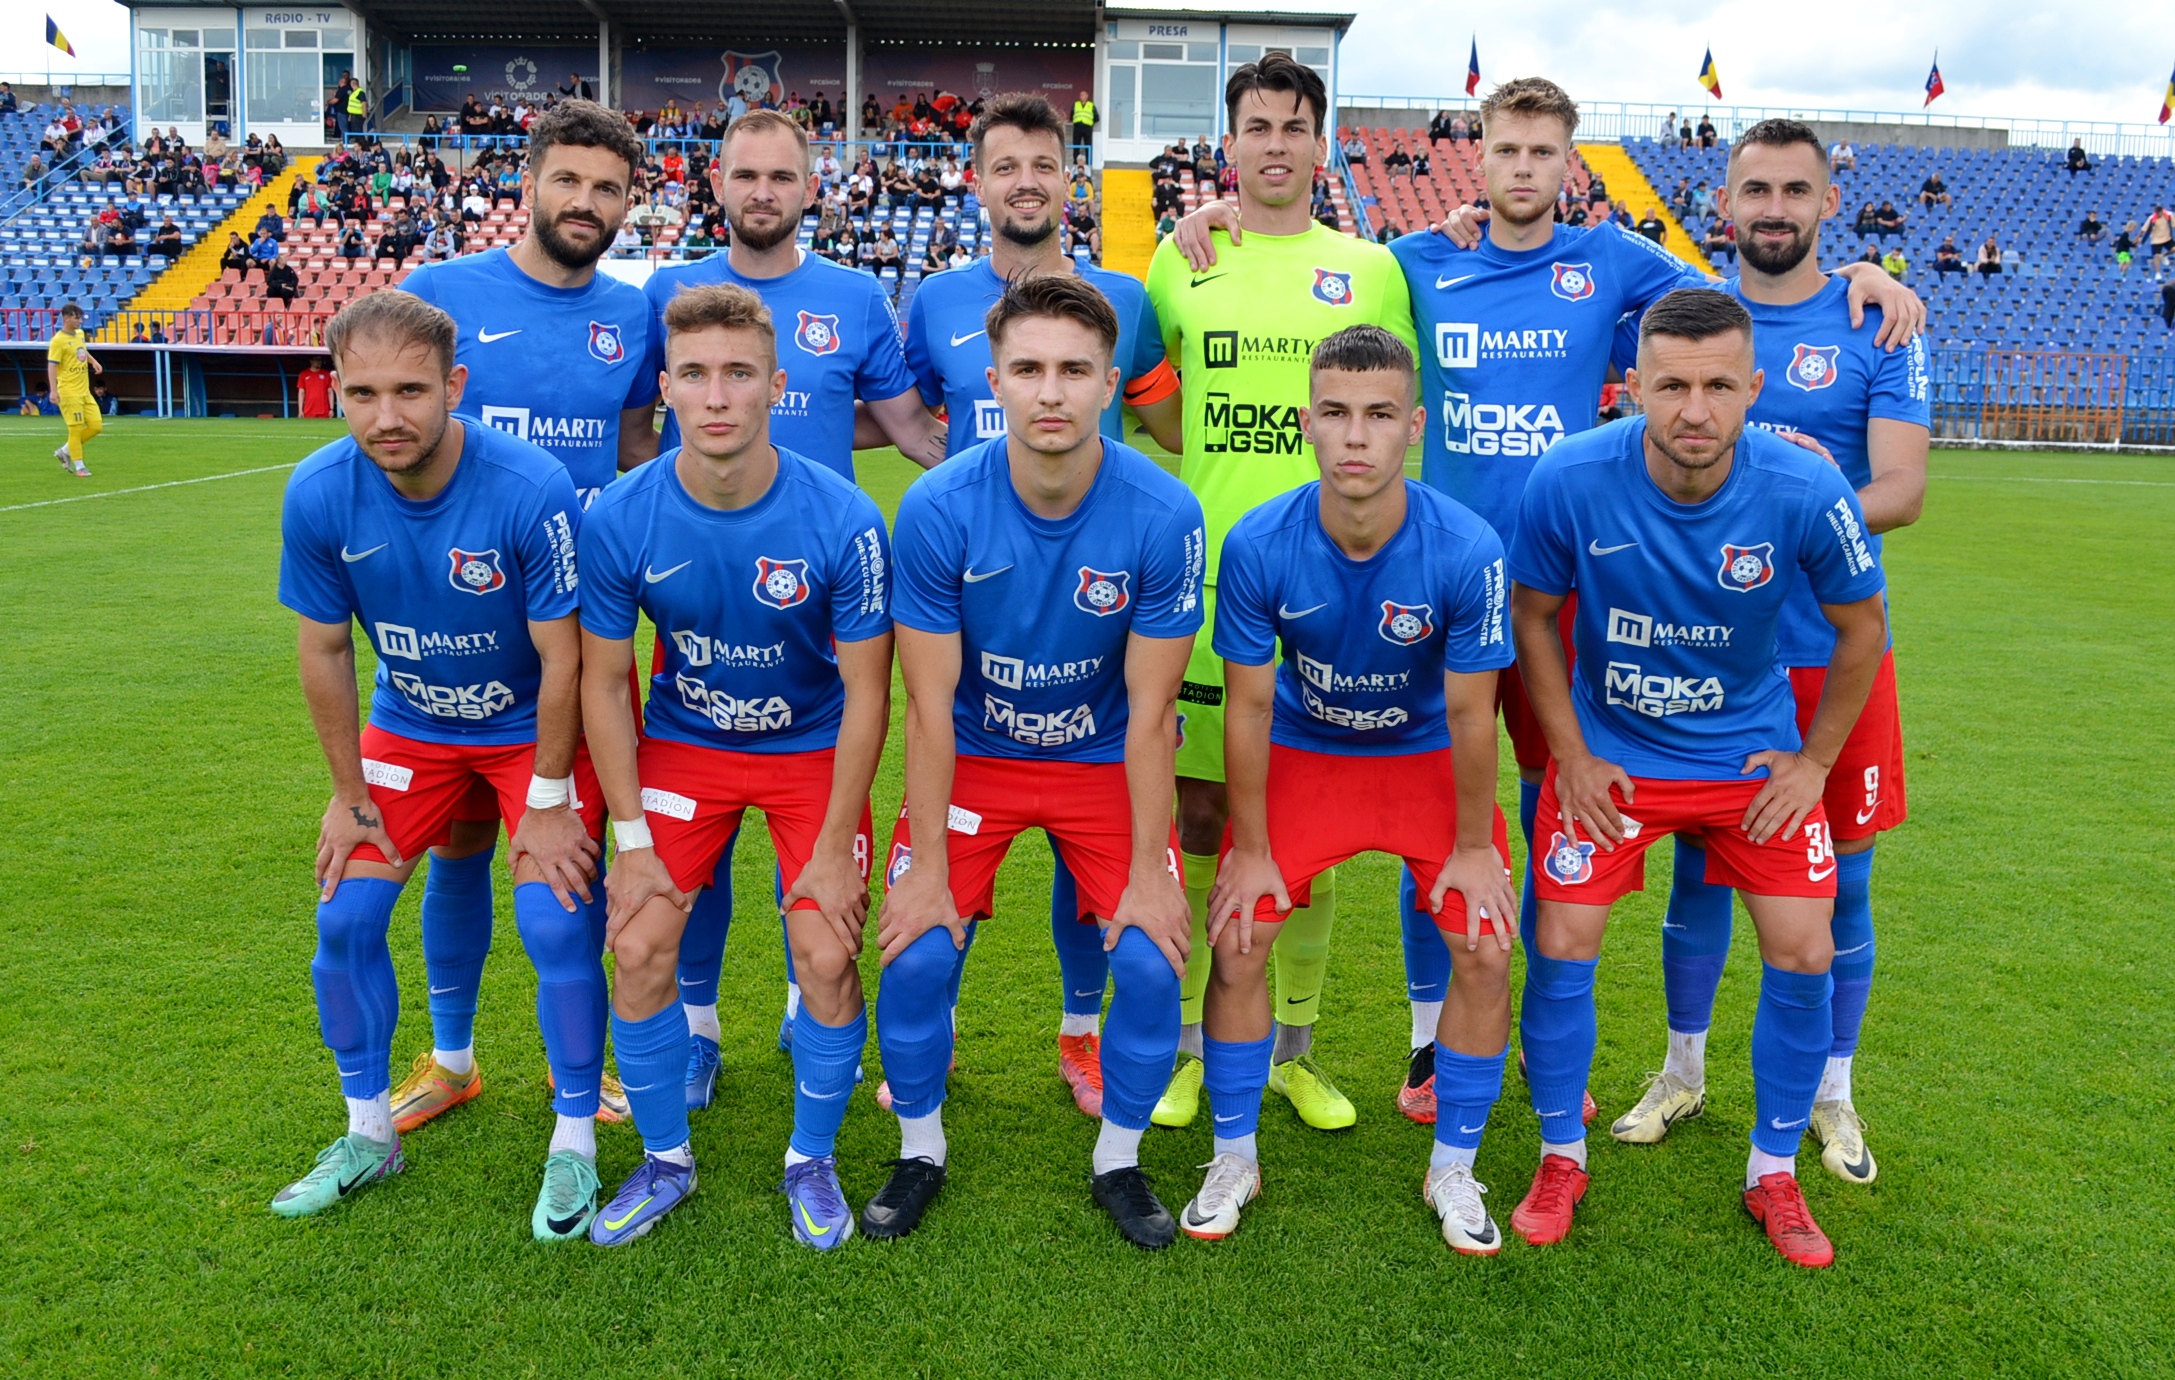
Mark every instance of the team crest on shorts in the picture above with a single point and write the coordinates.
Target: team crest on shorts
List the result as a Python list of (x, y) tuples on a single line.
[(902, 858), (1572, 282), (1566, 862), (818, 333), (1814, 367), (476, 572), (1103, 594), (781, 584), (1333, 288), (605, 344), (1405, 624), (1746, 568)]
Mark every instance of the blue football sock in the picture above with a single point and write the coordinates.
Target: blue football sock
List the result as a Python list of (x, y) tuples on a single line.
[(572, 999), (1140, 1036), (1853, 970), (1081, 962), (959, 964), (1558, 1028), (1427, 958), (825, 1058), (702, 943), (653, 1069), (785, 935), (1235, 1072), (1466, 1087), (1694, 942), (456, 940), (1791, 1032), (914, 1022), (358, 998), (1529, 903)]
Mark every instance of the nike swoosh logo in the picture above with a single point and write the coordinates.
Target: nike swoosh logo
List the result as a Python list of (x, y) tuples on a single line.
[(629, 1087), (1812, 875), (485, 337), (1297, 1001), (810, 1222), (820, 1097), (1209, 279), (1486, 1236), (615, 1226), (1452, 282), (1845, 953), (1286, 611), (560, 1226), (959, 340), (1094, 993), (1864, 815), (1233, 1117), (972, 577), (583, 1093), (349, 1186), (1856, 1168), (1669, 925), (653, 575), (1473, 1130), (1595, 547), (1779, 1124), (353, 556), (441, 991)]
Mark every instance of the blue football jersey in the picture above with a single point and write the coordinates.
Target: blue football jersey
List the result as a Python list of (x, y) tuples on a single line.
[(1365, 643), (1679, 605), (444, 589), (947, 346), (555, 366), (1514, 348), (747, 603), (838, 340), (1043, 608)]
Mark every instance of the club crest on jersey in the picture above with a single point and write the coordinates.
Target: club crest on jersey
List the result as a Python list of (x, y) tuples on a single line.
[(1567, 862), (1746, 568), (1333, 288), (476, 572), (1103, 594), (902, 858), (605, 344), (1572, 282), (818, 333), (1815, 366), (781, 584), (1405, 624)]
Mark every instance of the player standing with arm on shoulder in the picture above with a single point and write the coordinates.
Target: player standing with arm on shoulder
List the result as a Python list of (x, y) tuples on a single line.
[(1683, 533), (1242, 334), (1869, 410), (68, 369), (765, 574), (454, 546), (1048, 594)]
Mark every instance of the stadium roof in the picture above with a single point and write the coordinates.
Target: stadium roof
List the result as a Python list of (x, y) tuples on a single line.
[(1238, 11)]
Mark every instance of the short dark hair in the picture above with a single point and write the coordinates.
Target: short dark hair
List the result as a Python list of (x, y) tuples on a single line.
[(1021, 110), (1362, 350), (586, 125), (1779, 134), (728, 305), (1066, 295), (1695, 313), (1530, 96), (400, 316), (1278, 72), (68, 309)]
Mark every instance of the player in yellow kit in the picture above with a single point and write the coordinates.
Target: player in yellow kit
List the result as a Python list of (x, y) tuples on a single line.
[(68, 369), (1242, 333)]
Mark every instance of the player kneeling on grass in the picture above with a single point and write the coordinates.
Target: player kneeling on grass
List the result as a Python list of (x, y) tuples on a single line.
[(1049, 588), (1376, 732), (453, 544), (766, 575), (1684, 535)]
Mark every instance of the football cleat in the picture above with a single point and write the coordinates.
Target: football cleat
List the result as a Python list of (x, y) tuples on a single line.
[(1778, 1204), (1233, 1181), (1588, 1109), (349, 1163), (1668, 1100), (611, 1097), (1416, 1095), (1080, 1064), (817, 1204), (568, 1199), (1544, 1218), (1311, 1094), (1128, 1196), (898, 1205), (1455, 1195), (1842, 1138), (648, 1194), (702, 1064), (785, 1034), (431, 1089), (1181, 1100)]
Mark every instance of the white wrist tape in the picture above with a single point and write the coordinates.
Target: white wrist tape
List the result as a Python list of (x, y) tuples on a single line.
[(549, 793), (632, 833)]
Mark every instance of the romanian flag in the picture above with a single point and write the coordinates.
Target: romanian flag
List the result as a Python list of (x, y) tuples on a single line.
[(56, 38), (1472, 71), (2167, 102), (1710, 78), (1933, 82)]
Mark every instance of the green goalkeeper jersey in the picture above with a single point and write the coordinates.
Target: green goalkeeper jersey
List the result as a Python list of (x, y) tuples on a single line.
[(1241, 334)]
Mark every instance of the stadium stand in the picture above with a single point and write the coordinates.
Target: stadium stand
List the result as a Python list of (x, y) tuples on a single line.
[(1397, 196), (1632, 190)]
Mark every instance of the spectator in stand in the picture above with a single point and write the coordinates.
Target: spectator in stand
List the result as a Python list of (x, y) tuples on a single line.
[(1887, 220), (352, 246), (1355, 149), (933, 259), (1684, 134), (1863, 225), (236, 256), (2079, 160), (1397, 163), (2091, 229), (1989, 260), (1680, 200), (93, 244), (1842, 157), (2159, 237), (1083, 230), (121, 241), (1167, 163), (1721, 241), (473, 205), (2167, 305), (1895, 263), (442, 243), (263, 248), (2125, 245), (281, 281), (1668, 127), (1166, 224), (397, 242), (33, 178), (1463, 128), (1934, 192), (628, 242), (1870, 255), (1652, 226), (8, 104), (1703, 201), (1947, 258), (1422, 165), (887, 248), (928, 187)]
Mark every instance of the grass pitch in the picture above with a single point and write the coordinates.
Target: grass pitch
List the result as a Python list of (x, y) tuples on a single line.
[(161, 1074)]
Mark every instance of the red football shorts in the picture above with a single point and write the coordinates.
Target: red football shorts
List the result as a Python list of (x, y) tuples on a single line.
[(421, 788), (1527, 743), (1865, 787), (1084, 806), (1708, 813), (693, 799), (1326, 809)]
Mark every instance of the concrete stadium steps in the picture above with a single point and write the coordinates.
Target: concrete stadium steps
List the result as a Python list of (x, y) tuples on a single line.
[(197, 270), (1128, 220), (1629, 188), (1411, 204)]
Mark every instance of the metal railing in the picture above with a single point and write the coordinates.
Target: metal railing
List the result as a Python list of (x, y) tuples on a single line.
[(2053, 397)]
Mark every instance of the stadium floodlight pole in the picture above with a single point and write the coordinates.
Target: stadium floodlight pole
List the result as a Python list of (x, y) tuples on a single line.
[(849, 118)]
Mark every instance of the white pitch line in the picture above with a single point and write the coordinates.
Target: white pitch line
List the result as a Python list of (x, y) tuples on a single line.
[(146, 488), (2048, 479)]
